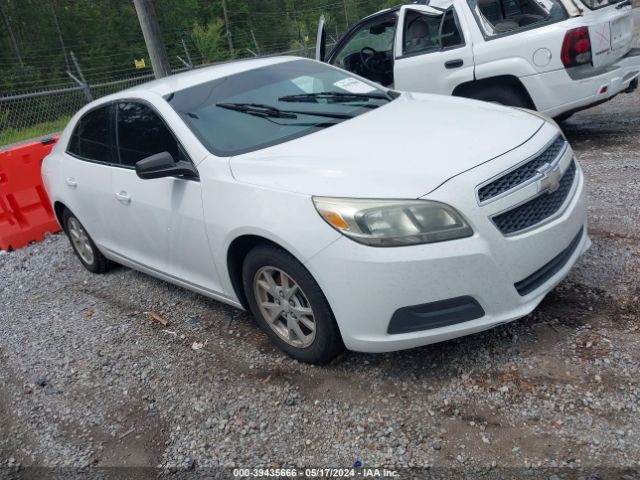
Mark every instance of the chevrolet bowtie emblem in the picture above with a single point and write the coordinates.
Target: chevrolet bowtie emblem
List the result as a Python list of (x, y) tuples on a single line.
[(550, 180)]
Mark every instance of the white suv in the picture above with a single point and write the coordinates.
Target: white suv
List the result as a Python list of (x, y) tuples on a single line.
[(554, 56)]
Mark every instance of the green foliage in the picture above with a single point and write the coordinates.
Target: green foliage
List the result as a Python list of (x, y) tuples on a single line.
[(209, 40), (9, 136), (106, 37)]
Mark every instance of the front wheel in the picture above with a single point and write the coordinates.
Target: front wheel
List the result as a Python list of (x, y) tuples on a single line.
[(289, 305)]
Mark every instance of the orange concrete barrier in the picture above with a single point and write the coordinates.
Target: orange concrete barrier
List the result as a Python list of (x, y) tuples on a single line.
[(25, 211)]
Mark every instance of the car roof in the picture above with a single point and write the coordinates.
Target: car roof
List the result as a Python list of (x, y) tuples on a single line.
[(180, 81), (430, 3)]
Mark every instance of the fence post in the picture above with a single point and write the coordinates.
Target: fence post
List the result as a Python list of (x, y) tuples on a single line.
[(186, 52), (187, 63), (255, 42), (82, 82)]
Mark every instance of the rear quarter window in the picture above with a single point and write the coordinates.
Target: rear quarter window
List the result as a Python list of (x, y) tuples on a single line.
[(504, 17), (595, 4), (91, 137)]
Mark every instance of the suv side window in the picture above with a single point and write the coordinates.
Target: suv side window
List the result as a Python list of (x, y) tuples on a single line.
[(425, 33), (91, 138), (142, 133), (450, 35), (503, 17)]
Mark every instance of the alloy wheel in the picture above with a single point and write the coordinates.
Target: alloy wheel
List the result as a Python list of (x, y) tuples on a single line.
[(80, 241), (284, 306)]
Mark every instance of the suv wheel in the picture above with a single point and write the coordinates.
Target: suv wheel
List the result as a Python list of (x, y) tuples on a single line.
[(289, 305), (83, 245)]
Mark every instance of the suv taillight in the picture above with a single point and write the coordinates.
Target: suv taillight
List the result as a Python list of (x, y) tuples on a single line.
[(576, 47)]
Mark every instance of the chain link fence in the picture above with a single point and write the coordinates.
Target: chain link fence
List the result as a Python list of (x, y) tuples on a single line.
[(41, 113)]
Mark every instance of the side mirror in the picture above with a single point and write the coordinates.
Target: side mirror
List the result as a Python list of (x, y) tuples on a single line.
[(162, 165)]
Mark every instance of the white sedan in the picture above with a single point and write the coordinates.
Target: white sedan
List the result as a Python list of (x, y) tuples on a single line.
[(340, 213)]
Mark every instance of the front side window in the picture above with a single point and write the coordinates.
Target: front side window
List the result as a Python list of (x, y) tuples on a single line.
[(499, 17), (142, 133), (91, 138), (369, 50), (271, 105)]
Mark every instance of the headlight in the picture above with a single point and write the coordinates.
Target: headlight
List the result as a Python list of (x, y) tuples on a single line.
[(392, 223)]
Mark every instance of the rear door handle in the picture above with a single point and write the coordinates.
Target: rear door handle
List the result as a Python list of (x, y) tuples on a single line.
[(71, 182), (454, 63), (123, 197)]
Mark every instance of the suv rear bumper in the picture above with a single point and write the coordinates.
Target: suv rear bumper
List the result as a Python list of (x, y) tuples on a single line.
[(556, 93)]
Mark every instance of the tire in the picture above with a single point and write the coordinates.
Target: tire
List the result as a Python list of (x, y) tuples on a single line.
[(83, 246), (287, 307), (563, 117), (503, 95)]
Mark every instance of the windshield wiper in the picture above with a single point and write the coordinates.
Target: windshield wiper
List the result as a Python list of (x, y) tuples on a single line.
[(333, 97), (257, 109), (262, 110)]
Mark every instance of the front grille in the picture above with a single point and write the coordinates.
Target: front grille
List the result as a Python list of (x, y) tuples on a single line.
[(523, 173), (538, 209)]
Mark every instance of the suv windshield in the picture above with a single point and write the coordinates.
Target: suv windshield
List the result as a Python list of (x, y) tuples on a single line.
[(271, 105)]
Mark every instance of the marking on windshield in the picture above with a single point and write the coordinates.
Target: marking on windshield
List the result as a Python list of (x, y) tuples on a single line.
[(353, 85)]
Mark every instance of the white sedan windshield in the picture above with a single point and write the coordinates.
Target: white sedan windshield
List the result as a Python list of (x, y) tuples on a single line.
[(271, 105)]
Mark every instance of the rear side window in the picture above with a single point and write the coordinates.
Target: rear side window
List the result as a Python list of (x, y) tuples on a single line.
[(503, 17), (450, 35), (421, 33), (425, 33), (91, 138), (595, 4), (142, 133)]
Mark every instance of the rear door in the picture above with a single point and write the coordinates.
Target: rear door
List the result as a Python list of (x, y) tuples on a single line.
[(431, 52), (87, 166)]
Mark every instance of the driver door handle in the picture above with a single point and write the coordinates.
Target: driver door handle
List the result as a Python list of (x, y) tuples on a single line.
[(454, 63), (71, 182), (123, 197)]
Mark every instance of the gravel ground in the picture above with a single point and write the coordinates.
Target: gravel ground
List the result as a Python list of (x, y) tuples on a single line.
[(88, 380)]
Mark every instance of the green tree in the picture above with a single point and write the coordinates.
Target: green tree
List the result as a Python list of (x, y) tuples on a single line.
[(210, 41)]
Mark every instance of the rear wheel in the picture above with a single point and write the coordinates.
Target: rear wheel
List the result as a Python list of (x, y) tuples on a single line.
[(502, 95), (83, 245), (289, 305), (563, 116)]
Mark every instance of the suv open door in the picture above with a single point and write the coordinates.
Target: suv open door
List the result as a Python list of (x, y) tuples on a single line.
[(321, 40)]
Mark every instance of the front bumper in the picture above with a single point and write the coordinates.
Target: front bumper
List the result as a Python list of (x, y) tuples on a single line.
[(365, 286), (556, 92)]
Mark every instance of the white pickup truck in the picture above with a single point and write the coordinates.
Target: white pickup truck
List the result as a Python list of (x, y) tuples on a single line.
[(554, 56)]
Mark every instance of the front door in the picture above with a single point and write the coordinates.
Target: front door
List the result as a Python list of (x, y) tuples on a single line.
[(159, 223), (431, 53)]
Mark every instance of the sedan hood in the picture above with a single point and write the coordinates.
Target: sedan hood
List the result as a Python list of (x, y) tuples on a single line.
[(404, 149)]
